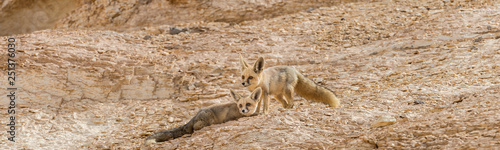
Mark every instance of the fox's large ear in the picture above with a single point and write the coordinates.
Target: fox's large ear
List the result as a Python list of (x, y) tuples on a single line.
[(235, 95), (244, 64), (256, 94), (259, 65)]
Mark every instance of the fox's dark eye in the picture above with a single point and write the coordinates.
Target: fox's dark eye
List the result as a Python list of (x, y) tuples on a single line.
[(248, 104), (250, 77), (242, 77), (241, 105)]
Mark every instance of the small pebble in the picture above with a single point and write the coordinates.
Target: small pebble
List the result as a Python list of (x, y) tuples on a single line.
[(176, 30), (418, 102), (479, 39), (309, 10)]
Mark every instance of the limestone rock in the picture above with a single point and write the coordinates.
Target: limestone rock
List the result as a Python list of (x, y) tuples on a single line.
[(384, 121)]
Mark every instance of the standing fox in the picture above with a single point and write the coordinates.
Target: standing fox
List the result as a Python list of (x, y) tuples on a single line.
[(279, 81), (212, 115)]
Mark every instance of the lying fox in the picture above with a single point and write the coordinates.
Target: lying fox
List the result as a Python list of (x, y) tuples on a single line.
[(213, 115), (283, 81)]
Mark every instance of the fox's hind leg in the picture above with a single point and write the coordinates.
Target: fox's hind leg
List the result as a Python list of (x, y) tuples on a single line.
[(281, 100), (289, 96), (203, 118)]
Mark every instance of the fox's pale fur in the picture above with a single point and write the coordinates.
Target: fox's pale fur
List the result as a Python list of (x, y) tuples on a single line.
[(243, 107), (281, 82)]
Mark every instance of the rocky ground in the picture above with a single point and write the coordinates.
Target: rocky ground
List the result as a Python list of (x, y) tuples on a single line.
[(410, 75)]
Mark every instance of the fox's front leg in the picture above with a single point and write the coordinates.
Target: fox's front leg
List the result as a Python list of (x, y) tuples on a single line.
[(265, 98), (259, 105)]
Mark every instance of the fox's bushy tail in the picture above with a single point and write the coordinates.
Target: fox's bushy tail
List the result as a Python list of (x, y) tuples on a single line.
[(173, 133), (170, 134), (203, 118), (312, 91)]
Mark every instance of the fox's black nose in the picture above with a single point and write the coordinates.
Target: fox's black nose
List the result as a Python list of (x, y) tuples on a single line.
[(243, 111), (243, 83)]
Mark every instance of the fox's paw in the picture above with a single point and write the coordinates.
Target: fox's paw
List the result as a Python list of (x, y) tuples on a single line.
[(284, 105), (266, 113), (263, 113), (288, 106)]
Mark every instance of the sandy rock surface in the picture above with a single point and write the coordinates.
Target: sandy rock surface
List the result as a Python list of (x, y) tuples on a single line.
[(410, 75)]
